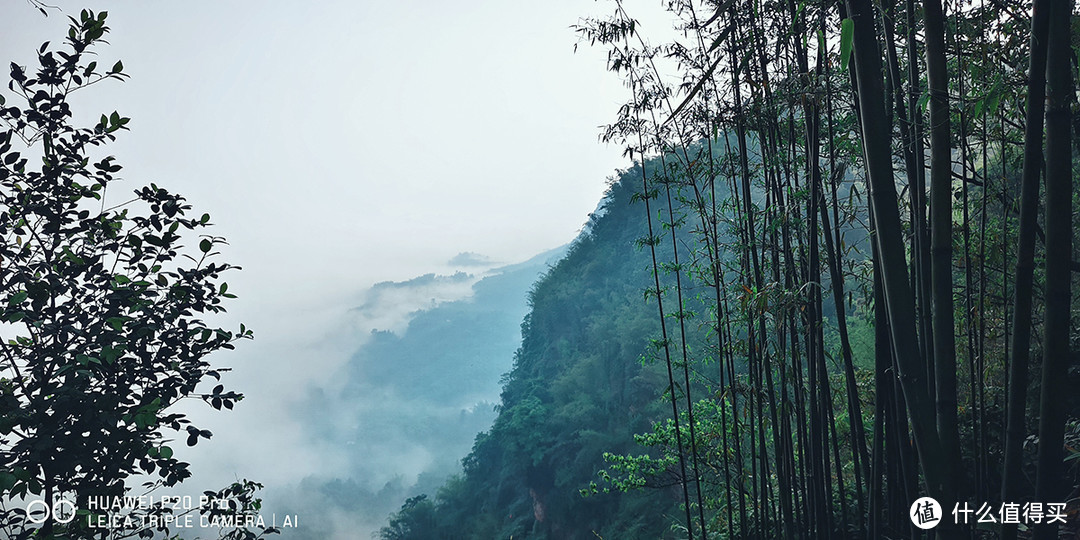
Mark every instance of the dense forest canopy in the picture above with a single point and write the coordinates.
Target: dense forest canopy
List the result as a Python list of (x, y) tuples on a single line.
[(844, 284)]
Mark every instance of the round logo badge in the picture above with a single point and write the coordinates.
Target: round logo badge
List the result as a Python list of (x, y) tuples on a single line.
[(925, 513)]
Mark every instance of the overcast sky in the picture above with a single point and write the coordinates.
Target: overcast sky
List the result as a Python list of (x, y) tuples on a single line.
[(341, 143), (354, 140)]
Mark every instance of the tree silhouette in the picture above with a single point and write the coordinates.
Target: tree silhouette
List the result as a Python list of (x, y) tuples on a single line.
[(102, 306)]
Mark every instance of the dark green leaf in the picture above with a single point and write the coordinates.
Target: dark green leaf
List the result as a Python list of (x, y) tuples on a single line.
[(17, 298), (923, 101)]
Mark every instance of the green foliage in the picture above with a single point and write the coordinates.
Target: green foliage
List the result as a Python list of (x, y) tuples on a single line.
[(579, 387), (101, 304), (415, 521), (847, 33), (229, 510), (809, 423)]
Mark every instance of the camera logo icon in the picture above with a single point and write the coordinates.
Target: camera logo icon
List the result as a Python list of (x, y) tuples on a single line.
[(38, 511)]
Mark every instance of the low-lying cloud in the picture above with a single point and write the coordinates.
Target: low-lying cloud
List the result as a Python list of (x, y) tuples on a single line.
[(370, 404)]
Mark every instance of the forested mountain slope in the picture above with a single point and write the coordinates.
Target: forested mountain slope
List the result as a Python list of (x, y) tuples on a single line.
[(583, 383), (409, 401)]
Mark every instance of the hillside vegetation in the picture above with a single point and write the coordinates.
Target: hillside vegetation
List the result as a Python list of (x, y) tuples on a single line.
[(846, 284)]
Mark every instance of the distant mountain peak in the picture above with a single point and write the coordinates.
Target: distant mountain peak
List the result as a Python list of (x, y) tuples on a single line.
[(469, 258)]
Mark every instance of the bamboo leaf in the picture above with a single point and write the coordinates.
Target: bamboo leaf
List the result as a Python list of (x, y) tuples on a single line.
[(847, 35), (923, 100), (693, 91), (724, 7), (720, 39)]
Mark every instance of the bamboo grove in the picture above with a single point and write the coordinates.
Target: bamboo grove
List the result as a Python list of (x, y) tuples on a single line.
[(896, 172)]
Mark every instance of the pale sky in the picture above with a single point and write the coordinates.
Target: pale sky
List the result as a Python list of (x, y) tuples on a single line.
[(357, 141), (341, 143), (338, 144)]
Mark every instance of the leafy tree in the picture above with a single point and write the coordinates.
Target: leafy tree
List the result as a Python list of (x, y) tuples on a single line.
[(415, 521), (101, 306)]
